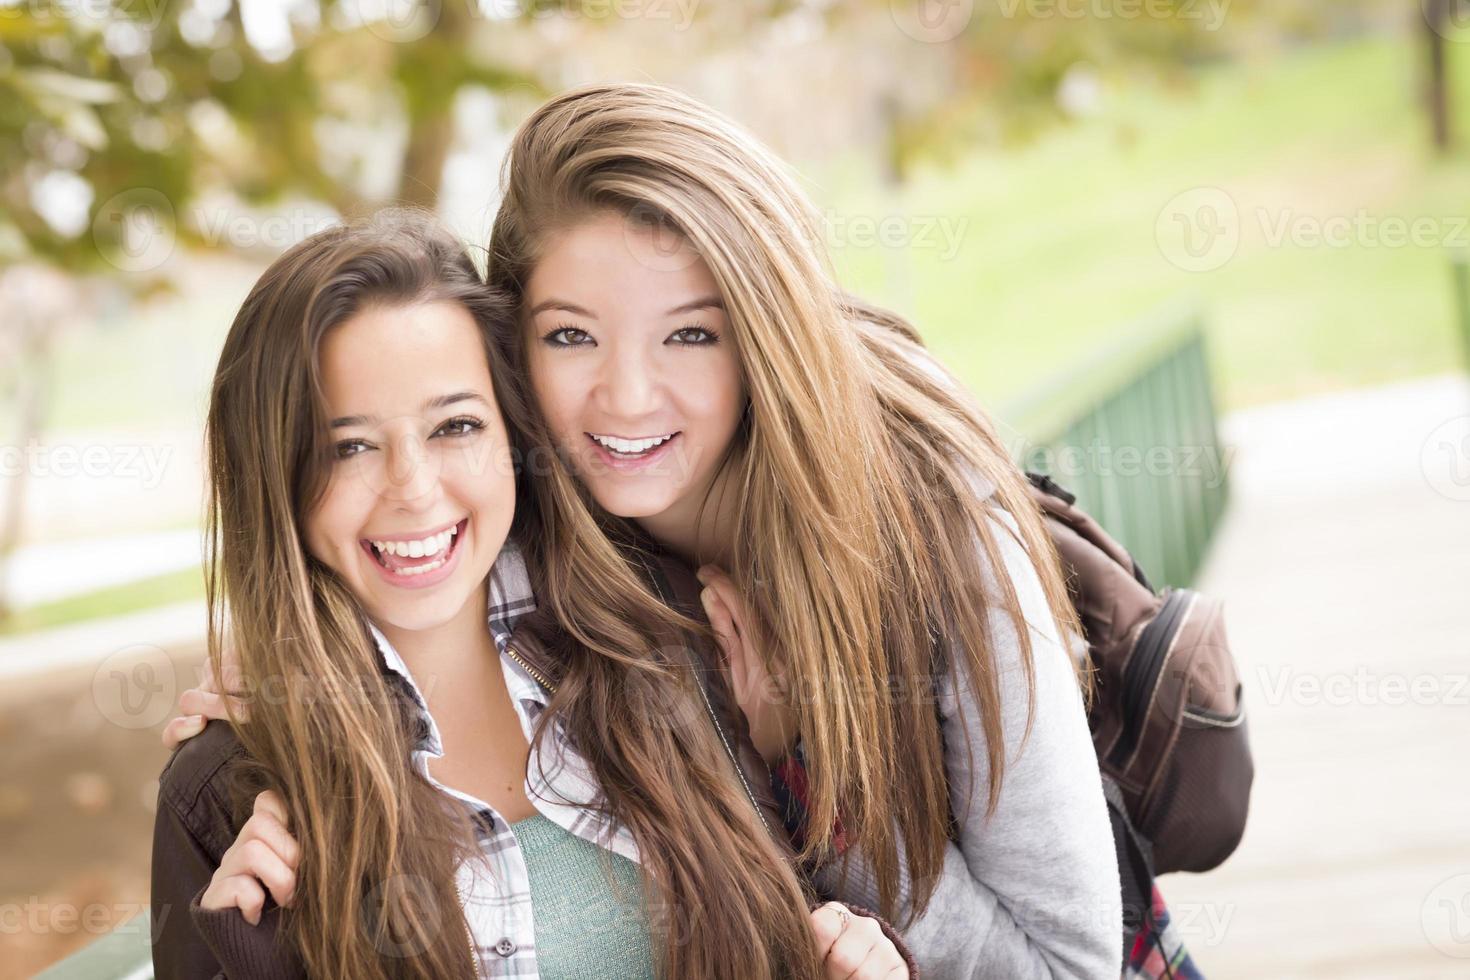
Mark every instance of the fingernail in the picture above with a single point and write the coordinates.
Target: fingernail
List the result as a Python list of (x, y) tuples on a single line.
[(704, 597), (195, 723)]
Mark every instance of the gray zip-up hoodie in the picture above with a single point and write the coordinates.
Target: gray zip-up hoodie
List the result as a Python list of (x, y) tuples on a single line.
[(1033, 891)]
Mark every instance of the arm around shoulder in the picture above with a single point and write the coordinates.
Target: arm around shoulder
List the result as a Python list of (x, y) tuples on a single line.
[(193, 828)]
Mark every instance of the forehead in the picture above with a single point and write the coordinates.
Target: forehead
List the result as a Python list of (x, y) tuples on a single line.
[(610, 264), (384, 351)]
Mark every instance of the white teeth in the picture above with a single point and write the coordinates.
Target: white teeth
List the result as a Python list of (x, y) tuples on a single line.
[(419, 569), (632, 446), (424, 547)]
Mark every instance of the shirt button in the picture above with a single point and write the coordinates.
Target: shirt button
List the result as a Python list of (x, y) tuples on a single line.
[(505, 947)]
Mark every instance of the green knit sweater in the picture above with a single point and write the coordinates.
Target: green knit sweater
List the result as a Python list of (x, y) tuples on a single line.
[(587, 926)]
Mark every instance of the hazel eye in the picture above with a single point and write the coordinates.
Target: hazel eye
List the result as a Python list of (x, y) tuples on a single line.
[(348, 448), (567, 337)]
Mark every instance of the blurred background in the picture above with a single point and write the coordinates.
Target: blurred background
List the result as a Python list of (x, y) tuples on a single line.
[(1205, 260)]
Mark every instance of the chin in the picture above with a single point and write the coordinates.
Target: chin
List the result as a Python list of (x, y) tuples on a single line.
[(432, 613), (634, 502)]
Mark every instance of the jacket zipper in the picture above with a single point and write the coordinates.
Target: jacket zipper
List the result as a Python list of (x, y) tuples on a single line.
[(536, 675), (1143, 671), (709, 709)]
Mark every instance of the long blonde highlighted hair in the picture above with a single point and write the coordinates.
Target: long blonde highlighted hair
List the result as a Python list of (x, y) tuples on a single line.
[(865, 476)]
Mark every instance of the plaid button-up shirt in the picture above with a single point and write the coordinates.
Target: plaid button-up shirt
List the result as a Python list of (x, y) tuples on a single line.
[(495, 890)]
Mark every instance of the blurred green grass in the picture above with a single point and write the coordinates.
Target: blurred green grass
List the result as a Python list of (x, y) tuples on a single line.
[(149, 593), (1059, 255)]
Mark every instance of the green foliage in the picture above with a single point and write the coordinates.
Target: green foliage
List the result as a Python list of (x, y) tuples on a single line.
[(173, 97)]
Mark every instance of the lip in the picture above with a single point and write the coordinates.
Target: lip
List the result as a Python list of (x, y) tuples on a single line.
[(614, 435), (630, 465), (416, 535), (428, 579)]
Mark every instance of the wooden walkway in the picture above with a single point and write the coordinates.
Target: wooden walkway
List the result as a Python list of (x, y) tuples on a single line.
[(1344, 561)]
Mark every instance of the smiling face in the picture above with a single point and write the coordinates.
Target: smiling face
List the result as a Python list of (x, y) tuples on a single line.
[(421, 494), (633, 365)]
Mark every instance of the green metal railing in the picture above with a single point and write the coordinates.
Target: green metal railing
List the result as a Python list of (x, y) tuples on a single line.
[(1460, 278), (1133, 434), (123, 954)]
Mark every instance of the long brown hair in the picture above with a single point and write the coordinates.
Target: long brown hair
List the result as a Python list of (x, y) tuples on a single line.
[(380, 845), (865, 476)]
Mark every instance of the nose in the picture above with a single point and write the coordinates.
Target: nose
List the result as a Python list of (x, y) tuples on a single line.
[(629, 386), (412, 479)]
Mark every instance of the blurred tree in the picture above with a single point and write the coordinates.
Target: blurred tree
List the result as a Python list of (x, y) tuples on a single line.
[(1437, 100), (1013, 67), (117, 118)]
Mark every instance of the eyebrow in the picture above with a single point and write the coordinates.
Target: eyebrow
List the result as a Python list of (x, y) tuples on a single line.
[(561, 304), (702, 303), (438, 401)]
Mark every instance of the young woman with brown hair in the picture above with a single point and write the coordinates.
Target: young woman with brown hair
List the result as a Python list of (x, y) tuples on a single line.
[(403, 780)]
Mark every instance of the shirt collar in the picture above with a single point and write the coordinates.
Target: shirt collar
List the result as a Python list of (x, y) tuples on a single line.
[(510, 598)]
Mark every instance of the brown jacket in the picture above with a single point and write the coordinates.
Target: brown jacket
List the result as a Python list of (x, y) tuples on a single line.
[(196, 824)]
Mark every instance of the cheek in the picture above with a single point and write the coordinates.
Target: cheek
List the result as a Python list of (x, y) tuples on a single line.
[(325, 531), (724, 392), (482, 474), (331, 530), (555, 392)]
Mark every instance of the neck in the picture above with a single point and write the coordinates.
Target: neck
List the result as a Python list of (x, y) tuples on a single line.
[(700, 526), (451, 649)]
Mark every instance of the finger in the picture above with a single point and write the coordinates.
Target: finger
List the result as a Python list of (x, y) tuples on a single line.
[(196, 701), (244, 893), (882, 961), (826, 926), (266, 827), (181, 729), (256, 858), (720, 619), (724, 628), (849, 953), (865, 945), (723, 586), (269, 801)]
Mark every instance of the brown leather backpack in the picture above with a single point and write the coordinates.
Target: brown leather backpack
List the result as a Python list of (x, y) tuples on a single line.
[(1167, 718)]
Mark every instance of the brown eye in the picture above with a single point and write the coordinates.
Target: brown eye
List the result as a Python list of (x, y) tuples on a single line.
[(693, 336), (567, 337), (462, 426)]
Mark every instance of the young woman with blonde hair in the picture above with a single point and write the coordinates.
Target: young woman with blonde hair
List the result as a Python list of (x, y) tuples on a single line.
[(892, 598)]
